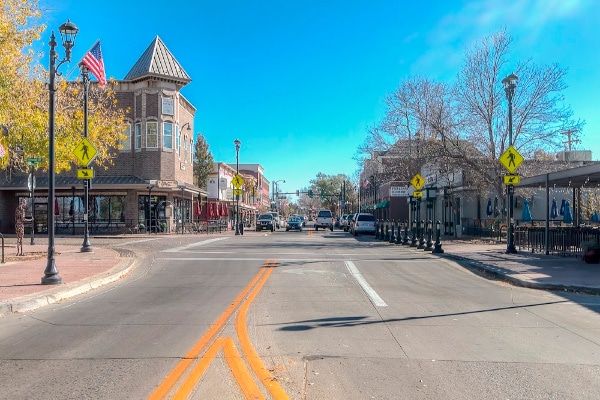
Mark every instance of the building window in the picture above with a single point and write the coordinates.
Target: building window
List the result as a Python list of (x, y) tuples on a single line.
[(126, 141), (168, 135), (192, 151), (177, 139), (138, 135), (151, 134)]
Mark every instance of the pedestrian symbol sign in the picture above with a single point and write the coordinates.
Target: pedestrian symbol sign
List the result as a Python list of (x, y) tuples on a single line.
[(85, 152), (417, 181), (237, 181), (511, 159)]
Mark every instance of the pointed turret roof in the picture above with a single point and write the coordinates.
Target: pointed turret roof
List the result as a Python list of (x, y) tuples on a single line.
[(157, 61)]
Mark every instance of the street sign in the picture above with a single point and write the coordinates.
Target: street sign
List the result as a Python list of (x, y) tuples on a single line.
[(237, 181), (511, 159), (85, 152), (512, 179), (33, 160), (418, 193), (417, 181), (85, 173), (237, 192)]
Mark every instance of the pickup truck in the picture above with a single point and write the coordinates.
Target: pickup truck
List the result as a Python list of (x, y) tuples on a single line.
[(324, 220)]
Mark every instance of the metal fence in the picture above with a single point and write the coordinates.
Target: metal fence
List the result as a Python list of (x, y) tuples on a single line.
[(562, 241)]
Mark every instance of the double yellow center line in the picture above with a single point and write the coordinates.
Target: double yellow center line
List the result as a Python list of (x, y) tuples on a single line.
[(182, 380)]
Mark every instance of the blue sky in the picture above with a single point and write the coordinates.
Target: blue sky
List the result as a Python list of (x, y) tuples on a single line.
[(299, 82)]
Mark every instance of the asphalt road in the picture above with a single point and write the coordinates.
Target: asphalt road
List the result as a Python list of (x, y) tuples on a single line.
[(302, 315)]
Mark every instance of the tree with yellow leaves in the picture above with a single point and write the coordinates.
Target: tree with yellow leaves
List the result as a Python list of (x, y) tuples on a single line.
[(24, 100)]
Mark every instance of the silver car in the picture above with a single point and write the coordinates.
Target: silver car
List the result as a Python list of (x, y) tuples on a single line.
[(363, 223)]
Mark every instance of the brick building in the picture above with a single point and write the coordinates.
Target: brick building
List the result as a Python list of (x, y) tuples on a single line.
[(151, 181)]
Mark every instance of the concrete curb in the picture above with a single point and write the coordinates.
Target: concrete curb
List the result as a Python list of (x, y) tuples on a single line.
[(56, 294), (490, 271)]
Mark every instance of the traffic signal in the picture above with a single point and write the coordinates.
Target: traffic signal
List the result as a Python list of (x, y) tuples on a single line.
[(310, 193)]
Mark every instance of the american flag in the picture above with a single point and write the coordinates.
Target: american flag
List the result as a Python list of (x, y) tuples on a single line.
[(93, 61), (2, 151)]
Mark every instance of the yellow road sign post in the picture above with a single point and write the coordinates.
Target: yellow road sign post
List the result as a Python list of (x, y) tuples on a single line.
[(417, 181), (85, 152), (512, 179), (237, 181), (511, 159), (85, 173)]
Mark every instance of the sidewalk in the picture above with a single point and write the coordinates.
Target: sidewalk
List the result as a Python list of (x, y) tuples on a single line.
[(20, 277), (532, 270), (21, 289)]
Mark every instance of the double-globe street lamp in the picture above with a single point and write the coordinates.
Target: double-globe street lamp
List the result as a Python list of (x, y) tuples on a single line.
[(237, 144), (510, 83), (68, 32)]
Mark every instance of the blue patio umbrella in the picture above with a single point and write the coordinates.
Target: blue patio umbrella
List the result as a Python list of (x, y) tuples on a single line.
[(595, 217), (526, 214), (554, 209), (562, 207), (489, 211), (567, 216)]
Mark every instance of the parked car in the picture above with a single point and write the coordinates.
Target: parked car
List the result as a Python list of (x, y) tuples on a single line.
[(363, 223), (278, 219), (324, 220), (349, 223), (294, 222), (343, 221), (265, 221)]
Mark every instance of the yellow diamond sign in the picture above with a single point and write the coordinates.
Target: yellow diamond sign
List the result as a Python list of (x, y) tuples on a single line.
[(85, 152), (511, 159), (237, 181), (417, 181)]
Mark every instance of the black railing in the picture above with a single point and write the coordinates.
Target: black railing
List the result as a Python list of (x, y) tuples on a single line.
[(563, 241)]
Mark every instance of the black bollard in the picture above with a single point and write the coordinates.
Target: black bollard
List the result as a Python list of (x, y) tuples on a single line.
[(429, 244), (421, 245), (392, 237), (406, 238), (413, 242), (438, 245), (398, 233)]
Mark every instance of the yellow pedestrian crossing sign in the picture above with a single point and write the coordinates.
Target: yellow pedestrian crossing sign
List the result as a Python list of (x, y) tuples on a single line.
[(511, 159), (237, 192), (417, 193), (417, 181), (85, 152), (512, 179), (237, 181)]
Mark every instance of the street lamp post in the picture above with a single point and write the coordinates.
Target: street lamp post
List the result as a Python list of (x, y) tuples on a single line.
[(68, 32), (237, 144), (86, 247), (510, 83), (276, 191)]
